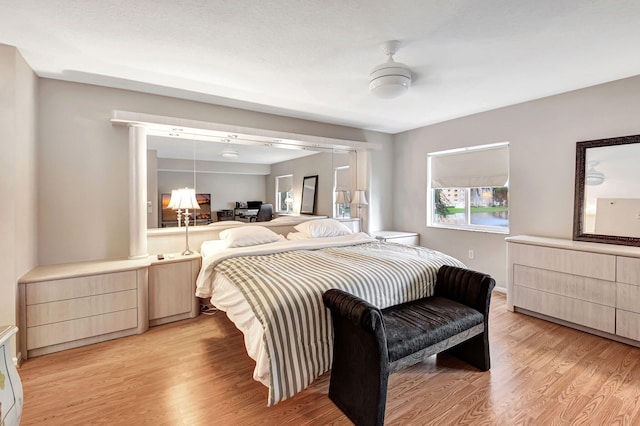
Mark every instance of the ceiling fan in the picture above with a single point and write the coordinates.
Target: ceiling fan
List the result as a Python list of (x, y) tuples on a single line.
[(390, 79)]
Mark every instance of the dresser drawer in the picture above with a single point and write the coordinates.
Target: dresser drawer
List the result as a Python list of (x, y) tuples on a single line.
[(575, 286), (628, 270), (65, 310), (628, 324), (588, 314), (70, 288), (67, 331), (594, 265), (628, 297)]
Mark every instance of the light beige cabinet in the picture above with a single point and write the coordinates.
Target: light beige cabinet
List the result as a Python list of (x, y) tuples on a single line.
[(352, 223), (628, 296), (590, 286), (70, 305), (409, 238), (172, 288)]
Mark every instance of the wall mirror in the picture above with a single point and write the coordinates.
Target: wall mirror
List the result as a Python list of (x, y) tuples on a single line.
[(224, 172), (341, 184), (309, 195), (607, 191)]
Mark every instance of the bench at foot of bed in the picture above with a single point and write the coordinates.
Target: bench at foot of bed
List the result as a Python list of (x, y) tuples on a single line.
[(370, 343)]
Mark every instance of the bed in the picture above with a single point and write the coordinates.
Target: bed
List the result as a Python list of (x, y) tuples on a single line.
[(271, 288)]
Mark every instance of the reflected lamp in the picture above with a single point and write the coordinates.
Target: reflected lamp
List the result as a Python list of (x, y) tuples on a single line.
[(184, 199)]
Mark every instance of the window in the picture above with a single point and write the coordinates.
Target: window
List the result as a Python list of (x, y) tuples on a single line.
[(341, 193), (467, 188), (284, 194)]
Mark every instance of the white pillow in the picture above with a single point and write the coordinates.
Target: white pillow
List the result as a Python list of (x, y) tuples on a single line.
[(320, 228), (211, 246), (296, 236), (249, 236)]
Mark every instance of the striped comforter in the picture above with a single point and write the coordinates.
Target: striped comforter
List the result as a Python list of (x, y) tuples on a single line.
[(284, 290)]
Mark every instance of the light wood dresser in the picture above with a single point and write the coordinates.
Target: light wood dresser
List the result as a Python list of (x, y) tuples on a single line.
[(69, 305), (589, 286), (172, 288)]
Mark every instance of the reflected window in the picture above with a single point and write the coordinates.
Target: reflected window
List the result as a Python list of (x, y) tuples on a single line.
[(468, 188), (341, 193), (284, 194)]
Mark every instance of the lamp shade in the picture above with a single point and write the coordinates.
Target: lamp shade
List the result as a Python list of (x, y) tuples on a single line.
[(184, 198), (175, 198), (341, 197), (360, 198)]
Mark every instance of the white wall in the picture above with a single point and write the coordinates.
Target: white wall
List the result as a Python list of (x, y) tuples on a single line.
[(225, 189), (83, 173), (320, 164), (18, 90), (543, 135)]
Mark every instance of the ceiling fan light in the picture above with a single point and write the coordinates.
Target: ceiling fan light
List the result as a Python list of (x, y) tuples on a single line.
[(388, 86), (594, 177), (390, 80), (229, 154)]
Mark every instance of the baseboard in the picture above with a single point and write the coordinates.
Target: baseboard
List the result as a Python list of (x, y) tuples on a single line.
[(500, 289)]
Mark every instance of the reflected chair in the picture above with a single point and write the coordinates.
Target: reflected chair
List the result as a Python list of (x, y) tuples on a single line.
[(265, 213)]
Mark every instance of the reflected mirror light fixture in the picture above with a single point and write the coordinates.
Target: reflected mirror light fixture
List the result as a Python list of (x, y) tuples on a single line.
[(185, 199), (594, 177), (391, 79), (230, 154), (359, 199)]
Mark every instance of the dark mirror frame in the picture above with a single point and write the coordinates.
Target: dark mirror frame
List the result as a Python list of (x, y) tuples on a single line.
[(306, 195), (578, 209)]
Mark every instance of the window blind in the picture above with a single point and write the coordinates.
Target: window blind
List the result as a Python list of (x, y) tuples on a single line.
[(342, 179), (477, 168)]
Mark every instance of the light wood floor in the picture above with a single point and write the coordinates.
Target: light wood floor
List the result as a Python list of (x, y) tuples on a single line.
[(195, 372)]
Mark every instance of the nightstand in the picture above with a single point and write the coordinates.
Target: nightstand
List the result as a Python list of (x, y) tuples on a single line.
[(172, 287), (409, 238)]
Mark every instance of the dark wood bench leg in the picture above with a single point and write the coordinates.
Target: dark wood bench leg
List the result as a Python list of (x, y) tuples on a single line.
[(474, 290), (474, 351)]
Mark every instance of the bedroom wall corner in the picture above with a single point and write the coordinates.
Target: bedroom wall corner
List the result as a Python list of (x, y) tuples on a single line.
[(542, 134), (381, 183), (18, 245)]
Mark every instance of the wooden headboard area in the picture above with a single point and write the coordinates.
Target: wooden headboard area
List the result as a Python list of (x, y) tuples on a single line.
[(172, 240)]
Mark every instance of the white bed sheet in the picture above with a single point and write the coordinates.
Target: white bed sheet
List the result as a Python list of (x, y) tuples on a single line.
[(226, 296)]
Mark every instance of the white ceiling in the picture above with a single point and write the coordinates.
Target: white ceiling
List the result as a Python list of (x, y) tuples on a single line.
[(311, 59)]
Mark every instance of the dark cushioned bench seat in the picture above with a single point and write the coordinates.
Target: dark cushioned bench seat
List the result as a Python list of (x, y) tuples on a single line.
[(370, 344), (417, 326)]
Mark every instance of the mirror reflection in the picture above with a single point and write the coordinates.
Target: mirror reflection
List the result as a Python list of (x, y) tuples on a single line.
[(608, 190), (224, 175), (309, 195)]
